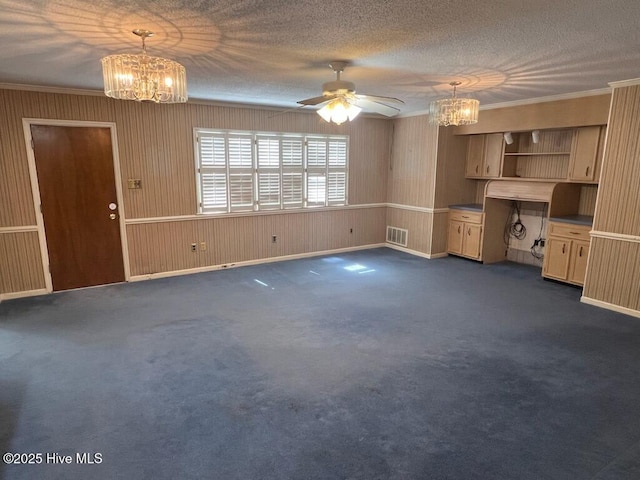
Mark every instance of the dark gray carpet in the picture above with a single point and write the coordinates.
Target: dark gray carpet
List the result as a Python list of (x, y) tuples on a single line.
[(403, 369)]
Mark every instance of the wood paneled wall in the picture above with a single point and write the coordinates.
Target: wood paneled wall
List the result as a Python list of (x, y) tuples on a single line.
[(613, 272), (20, 262), (613, 275), (574, 112), (412, 170), (165, 246), (155, 145), (418, 224)]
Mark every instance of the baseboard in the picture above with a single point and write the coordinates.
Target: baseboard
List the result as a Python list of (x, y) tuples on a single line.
[(610, 306), (24, 293), (211, 268), (417, 253)]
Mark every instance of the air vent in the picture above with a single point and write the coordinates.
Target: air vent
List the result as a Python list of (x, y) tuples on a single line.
[(397, 236)]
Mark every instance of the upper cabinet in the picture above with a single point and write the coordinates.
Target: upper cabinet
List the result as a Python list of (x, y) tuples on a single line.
[(571, 154), (584, 161), (484, 155)]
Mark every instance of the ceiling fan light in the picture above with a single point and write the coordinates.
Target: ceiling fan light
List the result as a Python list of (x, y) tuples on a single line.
[(144, 78), (325, 112), (453, 110), (353, 111), (338, 111)]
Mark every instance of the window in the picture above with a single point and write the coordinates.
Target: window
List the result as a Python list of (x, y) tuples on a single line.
[(243, 171)]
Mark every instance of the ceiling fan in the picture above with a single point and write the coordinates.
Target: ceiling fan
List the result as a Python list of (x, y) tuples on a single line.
[(342, 103)]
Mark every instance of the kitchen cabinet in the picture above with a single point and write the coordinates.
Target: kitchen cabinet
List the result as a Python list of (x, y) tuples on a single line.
[(465, 233), (566, 252), (583, 163), (484, 155)]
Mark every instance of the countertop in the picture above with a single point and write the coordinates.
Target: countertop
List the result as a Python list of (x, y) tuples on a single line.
[(474, 207), (575, 219)]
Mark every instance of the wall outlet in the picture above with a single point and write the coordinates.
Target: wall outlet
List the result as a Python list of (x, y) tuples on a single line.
[(203, 246), (194, 247), (274, 238), (351, 230)]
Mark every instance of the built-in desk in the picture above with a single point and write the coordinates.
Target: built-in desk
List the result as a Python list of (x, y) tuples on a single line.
[(563, 200)]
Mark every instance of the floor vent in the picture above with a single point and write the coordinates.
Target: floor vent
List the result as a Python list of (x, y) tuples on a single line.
[(397, 236)]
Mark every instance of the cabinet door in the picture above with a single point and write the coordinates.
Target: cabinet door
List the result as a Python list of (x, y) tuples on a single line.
[(493, 153), (578, 267), (556, 258), (475, 154), (471, 241), (454, 244), (584, 152)]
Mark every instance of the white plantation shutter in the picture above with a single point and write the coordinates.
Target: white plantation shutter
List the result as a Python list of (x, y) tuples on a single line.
[(212, 173), (337, 172), (292, 172), (243, 171), (240, 155), (268, 172), (316, 194)]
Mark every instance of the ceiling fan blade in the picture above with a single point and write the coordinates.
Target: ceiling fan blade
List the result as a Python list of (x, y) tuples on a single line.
[(317, 100), (378, 98), (373, 106)]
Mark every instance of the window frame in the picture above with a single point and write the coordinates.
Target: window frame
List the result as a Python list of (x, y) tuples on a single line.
[(336, 142)]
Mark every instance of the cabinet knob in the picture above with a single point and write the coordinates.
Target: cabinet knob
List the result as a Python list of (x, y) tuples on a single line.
[(487, 168), (580, 254), (469, 231), (586, 173), (458, 228), (476, 168), (563, 247)]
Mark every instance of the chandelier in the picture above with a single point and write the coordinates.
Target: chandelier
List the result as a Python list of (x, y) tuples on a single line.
[(144, 78), (339, 110), (454, 110)]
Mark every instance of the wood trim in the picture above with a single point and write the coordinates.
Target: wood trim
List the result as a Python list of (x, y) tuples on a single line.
[(417, 209), (416, 253), (23, 228), (616, 236), (610, 306), (567, 113), (625, 83), (23, 293), (205, 216), (188, 271)]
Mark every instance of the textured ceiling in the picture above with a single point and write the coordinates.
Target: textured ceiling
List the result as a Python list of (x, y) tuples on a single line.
[(277, 52)]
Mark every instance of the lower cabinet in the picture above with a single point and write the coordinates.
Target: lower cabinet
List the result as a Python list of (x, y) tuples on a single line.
[(465, 234), (566, 252)]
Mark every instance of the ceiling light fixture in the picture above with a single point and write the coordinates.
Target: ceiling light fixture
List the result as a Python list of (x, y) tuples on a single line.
[(454, 110), (144, 78), (339, 110)]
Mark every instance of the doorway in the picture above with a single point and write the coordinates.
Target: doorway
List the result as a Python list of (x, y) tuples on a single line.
[(80, 211)]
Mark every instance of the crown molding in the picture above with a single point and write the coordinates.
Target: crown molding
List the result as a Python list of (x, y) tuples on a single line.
[(529, 101), (625, 83)]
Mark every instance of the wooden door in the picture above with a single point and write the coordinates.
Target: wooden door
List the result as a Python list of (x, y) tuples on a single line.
[(79, 205), (454, 244), (584, 152), (472, 240), (556, 258), (579, 255), (475, 154), (493, 153)]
